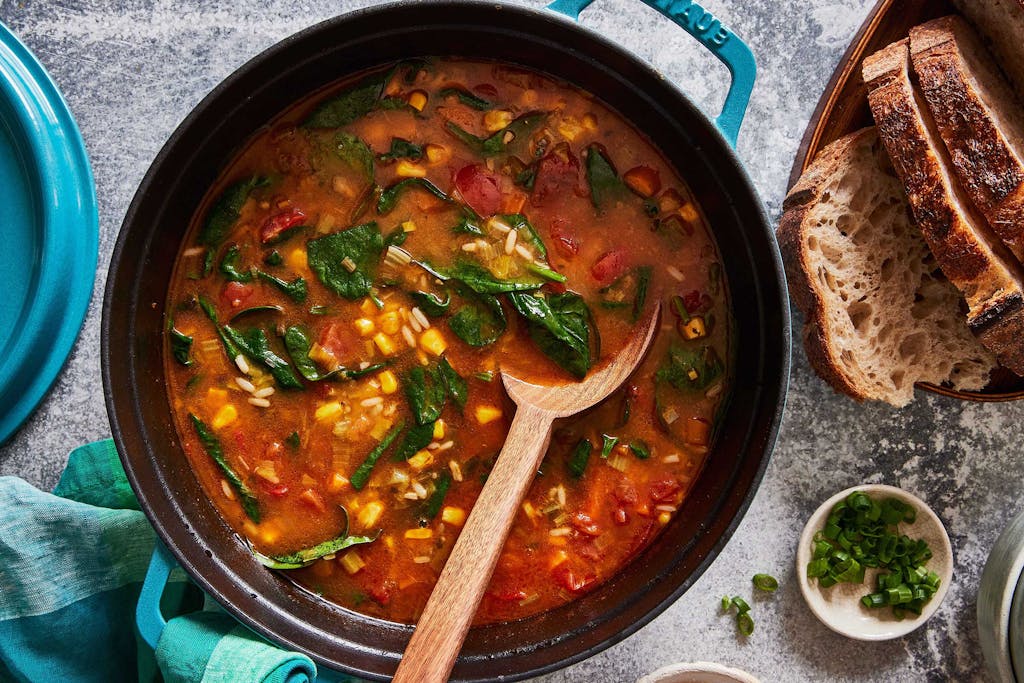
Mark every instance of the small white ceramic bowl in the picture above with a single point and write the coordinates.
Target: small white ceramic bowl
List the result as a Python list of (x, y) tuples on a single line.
[(999, 596), (839, 606), (698, 672)]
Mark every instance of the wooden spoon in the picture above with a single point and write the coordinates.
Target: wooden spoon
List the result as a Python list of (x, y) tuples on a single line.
[(442, 627)]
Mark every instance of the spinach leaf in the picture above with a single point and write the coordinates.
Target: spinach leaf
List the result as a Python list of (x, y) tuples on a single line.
[(224, 212), (605, 184), (254, 344), (499, 142), (415, 440), (390, 195), (307, 556), (208, 258), (453, 382), (561, 326), (298, 344), (579, 458), (256, 310), (482, 281), (527, 177), (396, 237), (630, 290), (352, 104), (689, 369), (607, 444), (230, 347), (211, 444), (467, 225), (402, 149), (354, 152), (430, 303), (545, 272), (527, 232), (229, 266), (361, 476), (293, 440), (368, 370), (181, 346), (284, 236), (273, 258), (295, 290), (426, 392), (466, 97), (332, 256), (436, 500), (640, 449), (480, 320)]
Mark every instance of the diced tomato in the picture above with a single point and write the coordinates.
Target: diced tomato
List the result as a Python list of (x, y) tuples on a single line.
[(640, 536), (664, 489), (558, 175), (279, 222), (479, 188), (313, 500), (381, 593), (589, 551), (609, 267), (620, 517), (236, 294), (585, 525), (486, 90), (625, 493), (696, 302), (276, 490), (340, 341), (571, 580), (566, 242), (508, 594), (554, 287)]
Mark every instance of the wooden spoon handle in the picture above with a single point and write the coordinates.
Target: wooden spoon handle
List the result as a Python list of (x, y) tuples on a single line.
[(442, 627)]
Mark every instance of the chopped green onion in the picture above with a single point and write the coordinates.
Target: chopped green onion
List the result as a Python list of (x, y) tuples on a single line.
[(744, 623), (740, 604), (766, 583), (726, 603)]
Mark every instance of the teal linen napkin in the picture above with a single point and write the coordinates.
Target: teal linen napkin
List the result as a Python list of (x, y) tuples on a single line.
[(71, 566)]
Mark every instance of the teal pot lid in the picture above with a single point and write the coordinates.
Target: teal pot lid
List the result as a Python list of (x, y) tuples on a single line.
[(49, 226)]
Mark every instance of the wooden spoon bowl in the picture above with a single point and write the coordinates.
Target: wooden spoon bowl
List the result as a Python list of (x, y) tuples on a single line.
[(442, 627)]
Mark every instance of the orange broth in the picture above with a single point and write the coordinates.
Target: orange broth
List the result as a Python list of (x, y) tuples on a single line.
[(524, 164)]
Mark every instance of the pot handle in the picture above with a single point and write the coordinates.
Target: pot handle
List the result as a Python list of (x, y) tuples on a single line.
[(722, 43), (148, 617)]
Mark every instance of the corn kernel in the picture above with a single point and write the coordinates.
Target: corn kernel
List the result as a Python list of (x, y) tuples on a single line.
[(590, 121), (417, 100), (390, 322), (322, 356), (297, 259), (225, 416), (419, 534), (250, 529), (694, 328), (439, 429), (269, 534), (452, 515), (496, 119), (432, 341), (408, 226), (570, 128), (384, 343), (380, 429), (485, 414), (216, 397), (364, 326), (328, 411), (337, 482), (688, 212), (267, 473), (558, 558), (368, 307), (421, 459), (407, 169), (351, 562), (436, 153), (370, 513), (664, 518), (389, 383)]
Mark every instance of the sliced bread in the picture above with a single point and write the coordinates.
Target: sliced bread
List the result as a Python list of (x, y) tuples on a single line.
[(980, 119), (970, 256), (1002, 23), (878, 315)]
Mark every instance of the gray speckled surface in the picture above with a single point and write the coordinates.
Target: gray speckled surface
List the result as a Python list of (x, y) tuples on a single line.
[(132, 69)]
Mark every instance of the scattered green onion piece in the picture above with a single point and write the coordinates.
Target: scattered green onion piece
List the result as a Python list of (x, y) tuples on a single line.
[(766, 583), (744, 623)]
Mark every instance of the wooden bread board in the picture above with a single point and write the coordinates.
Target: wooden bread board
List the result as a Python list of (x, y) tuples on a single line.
[(843, 109)]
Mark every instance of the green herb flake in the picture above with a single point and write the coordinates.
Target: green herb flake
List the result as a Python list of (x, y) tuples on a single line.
[(580, 457), (605, 185), (181, 346), (436, 500), (292, 440), (296, 290), (402, 149), (607, 444), (361, 476), (389, 196)]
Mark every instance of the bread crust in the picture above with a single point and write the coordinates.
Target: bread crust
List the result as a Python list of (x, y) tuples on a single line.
[(790, 235), (982, 155), (973, 261)]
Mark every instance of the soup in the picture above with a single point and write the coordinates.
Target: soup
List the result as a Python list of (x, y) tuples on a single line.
[(358, 278)]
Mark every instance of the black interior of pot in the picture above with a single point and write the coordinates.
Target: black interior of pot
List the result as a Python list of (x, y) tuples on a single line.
[(188, 165)]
